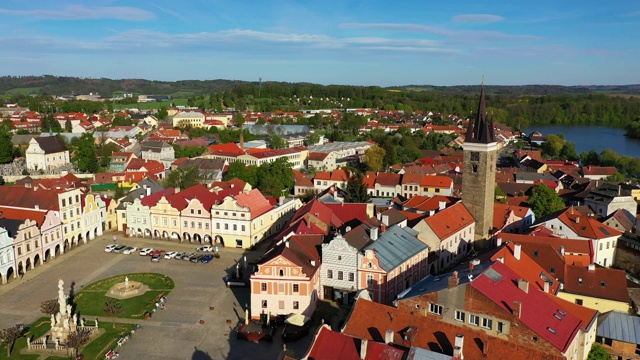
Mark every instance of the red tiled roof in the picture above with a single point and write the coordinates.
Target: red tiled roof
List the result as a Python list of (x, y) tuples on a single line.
[(586, 315), (332, 345), (370, 320), (228, 149), (152, 166), (153, 199), (526, 267), (537, 311), (23, 214), (339, 175), (580, 280), (317, 156), (349, 212), (300, 250), (388, 179), (450, 220), (322, 175), (29, 198), (598, 170), (255, 201), (586, 226)]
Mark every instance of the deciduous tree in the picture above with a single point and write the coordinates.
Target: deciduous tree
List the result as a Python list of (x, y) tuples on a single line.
[(50, 307), (78, 338), (85, 154), (9, 335), (374, 158), (544, 201), (113, 308)]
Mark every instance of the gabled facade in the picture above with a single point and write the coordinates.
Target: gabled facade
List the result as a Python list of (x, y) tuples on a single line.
[(449, 234), (288, 278), (46, 153), (94, 213), (339, 276)]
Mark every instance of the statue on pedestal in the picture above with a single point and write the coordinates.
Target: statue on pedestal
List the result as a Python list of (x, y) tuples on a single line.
[(62, 299), (53, 320), (126, 282)]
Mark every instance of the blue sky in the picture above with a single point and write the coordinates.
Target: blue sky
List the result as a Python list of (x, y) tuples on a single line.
[(327, 42)]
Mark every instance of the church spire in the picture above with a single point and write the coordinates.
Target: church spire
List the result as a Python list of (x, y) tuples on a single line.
[(482, 129)]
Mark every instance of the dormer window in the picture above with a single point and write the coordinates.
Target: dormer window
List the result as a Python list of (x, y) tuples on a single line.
[(580, 281), (281, 272), (602, 283)]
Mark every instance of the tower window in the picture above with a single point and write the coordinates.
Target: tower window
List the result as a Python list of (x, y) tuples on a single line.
[(475, 156), (474, 168)]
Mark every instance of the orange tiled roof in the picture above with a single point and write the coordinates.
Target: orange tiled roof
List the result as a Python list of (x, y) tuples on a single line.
[(450, 220)]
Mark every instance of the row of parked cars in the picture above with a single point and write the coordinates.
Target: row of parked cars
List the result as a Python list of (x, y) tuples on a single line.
[(156, 254)]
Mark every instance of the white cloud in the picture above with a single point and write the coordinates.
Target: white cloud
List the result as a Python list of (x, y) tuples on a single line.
[(81, 12), (477, 18)]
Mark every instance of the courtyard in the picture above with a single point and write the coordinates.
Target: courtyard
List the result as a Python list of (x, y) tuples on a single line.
[(200, 311)]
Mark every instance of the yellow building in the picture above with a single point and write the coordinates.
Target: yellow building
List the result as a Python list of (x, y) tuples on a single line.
[(596, 287)]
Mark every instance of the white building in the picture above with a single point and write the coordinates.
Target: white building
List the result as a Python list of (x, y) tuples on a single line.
[(189, 118), (45, 153), (7, 261)]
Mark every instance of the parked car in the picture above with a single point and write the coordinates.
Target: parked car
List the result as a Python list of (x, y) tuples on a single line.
[(206, 259), (130, 250), (196, 258), (110, 247), (155, 258), (145, 251), (188, 256), (206, 248), (180, 255), (170, 254), (118, 249), (156, 252)]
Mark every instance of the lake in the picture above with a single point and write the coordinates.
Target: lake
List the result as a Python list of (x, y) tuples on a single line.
[(595, 138)]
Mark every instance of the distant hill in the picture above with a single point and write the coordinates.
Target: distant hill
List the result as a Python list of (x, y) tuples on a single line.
[(61, 85)]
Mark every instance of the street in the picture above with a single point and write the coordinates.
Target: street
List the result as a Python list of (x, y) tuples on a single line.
[(173, 333)]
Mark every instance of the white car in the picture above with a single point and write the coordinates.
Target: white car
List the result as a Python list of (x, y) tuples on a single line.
[(109, 248), (130, 250), (206, 248), (145, 251), (170, 254)]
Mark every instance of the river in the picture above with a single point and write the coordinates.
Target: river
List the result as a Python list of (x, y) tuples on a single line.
[(595, 138)]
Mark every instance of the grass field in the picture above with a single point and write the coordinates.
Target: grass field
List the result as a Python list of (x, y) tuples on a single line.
[(90, 301), (24, 91)]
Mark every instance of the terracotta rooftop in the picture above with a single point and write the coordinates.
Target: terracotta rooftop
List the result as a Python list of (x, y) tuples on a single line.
[(604, 283), (332, 345), (432, 334), (450, 220)]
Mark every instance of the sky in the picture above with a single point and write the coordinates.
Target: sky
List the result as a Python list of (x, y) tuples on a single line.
[(373, 42)]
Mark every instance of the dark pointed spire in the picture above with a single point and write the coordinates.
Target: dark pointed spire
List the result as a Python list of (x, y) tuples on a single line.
[(482, 129)]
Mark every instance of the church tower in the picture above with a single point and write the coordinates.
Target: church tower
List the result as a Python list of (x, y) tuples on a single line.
[(479, 172)]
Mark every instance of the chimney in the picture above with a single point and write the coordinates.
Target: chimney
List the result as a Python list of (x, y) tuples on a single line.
[(454, 280), (385, 219), (388, 336), (619, 189), (37, 207), (546, 286), (498, 242), (431, 212), (516, 251), (516, 309), (562, 250), (281, 200), (373, 233), (313, 262), (286, 243), (501, 259), (176, 189), (148, 191), (591, 267), (241, 141), (523, 285), (363, 348), (577, 219), (441, 205), (379, 215), (457, 348), (485, 347)]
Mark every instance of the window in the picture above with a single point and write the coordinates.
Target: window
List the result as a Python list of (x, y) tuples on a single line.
[(186, 224), (235, 227), (580, 280), (340, 275), (64, 203), (281, 272), (263, 287), (460, 315), (217, 226), (206, 226), (281, 304), (487, 323), (226, 226), (535, 253), (474, 320), (351, 276), (329, 274), (296, 288), (500, 327), (280, 288), (242, 227), (264, 304), (296, 305), (435, 309), (175, 223), (552, 270), (579, 301), (369, 279), (339, 258), (600, 246), (238, 243), (602, 283)]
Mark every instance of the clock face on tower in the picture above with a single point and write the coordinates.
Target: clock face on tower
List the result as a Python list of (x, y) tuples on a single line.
[(475, 156)]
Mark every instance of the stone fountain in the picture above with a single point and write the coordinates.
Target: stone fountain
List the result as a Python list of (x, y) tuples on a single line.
[(127, 289)]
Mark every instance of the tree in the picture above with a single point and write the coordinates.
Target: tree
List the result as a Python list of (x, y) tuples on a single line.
[(113, 308), (67, 126), (6, 147), (183, 178), (9, 336), (119, 192), (243, 172), (598, 353), (85, 154), (276, 141), (239, 120), (374, 158), (356, 191), (313, 138), (544, 201), (616, 177), (79, 338), (2, 182), (276, 177), (500, 196), (50, 307), (105, 154)]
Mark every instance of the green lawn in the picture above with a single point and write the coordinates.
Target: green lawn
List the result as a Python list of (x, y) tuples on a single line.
[(24, 91), (101, 345), (37, 329), (151, 105), (90, 301)]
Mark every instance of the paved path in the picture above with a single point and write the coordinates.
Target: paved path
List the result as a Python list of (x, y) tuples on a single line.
[(173, 333)]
